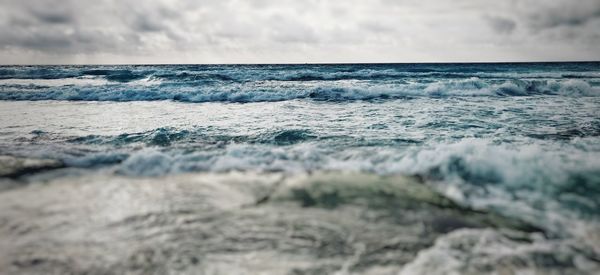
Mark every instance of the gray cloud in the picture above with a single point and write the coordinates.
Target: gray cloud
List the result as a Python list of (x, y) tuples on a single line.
[(53, 16), (173, 31), (47, 12), (146, 24), (553, 14), (501, 25)]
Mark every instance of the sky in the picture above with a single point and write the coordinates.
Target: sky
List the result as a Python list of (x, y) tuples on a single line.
[(297, 31)]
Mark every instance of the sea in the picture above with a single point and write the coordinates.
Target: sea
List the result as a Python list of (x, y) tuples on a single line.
[(476, 168)]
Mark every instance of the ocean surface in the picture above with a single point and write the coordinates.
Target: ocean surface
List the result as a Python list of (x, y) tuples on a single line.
[(300, 169)]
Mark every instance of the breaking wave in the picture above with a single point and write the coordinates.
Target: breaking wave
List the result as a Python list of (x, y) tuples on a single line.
[(556, 187), (545, 180), (152, 90), (264, 83)]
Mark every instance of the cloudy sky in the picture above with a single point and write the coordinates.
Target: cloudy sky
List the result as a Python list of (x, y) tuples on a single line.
[(297, 31)]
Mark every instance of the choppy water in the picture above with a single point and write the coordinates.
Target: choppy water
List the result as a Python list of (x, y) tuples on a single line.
[(521, 141)]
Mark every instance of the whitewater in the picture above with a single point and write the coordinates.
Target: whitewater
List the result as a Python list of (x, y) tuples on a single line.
[(300, 169)]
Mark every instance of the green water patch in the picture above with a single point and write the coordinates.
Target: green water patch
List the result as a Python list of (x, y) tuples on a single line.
[(401, 199), (12, 167)]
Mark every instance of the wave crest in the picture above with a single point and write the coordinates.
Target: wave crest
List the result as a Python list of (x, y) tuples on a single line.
[(148, 90)]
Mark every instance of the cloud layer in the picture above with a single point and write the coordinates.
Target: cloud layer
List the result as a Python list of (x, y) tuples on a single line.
[(284, 31)]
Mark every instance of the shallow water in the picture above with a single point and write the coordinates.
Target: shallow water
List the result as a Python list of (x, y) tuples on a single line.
[(518, 141)]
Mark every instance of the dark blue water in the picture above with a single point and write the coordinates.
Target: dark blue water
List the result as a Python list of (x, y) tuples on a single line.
[(255, 83)]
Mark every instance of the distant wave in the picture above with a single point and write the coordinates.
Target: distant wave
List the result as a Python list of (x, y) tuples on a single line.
[(256, 83), (124, 75), (152, 89), (242, 73), (58, 82)]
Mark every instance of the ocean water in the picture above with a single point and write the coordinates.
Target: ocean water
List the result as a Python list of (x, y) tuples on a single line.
[(301, 169)]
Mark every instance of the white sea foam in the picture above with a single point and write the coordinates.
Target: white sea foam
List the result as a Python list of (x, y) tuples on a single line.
[(150, 89), (148, 81), (471, 251), (72, 81)]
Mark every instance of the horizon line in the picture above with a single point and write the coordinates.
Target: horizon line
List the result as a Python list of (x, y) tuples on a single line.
[(298, 63)]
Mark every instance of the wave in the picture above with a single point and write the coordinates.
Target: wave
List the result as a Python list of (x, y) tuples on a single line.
[(357, 222), (555, 182), (390, 74), (554, 185), (300, 75), (556, 188), (266, 91), (541, 182), (116, 75), (157, 137), (167, 136), (35, 72), (182, 73)]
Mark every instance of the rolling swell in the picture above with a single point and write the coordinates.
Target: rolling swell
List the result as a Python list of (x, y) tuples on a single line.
[(115, 75), (167, 136), (265, 83), (283, 90)]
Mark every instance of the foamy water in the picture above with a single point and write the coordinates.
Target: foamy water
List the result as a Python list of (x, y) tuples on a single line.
[(517, 141)]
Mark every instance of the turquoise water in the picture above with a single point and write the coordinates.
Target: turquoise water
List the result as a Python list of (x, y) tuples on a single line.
[(520, 140)]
